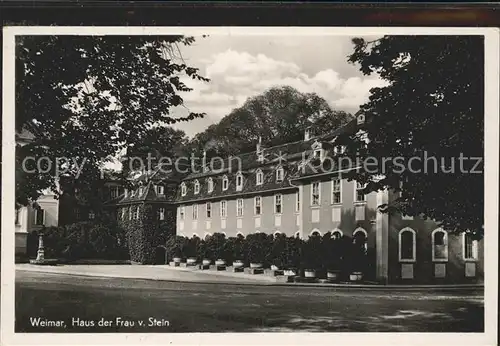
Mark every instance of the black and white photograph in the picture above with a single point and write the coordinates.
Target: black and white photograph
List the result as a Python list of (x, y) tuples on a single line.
[(333, 182)]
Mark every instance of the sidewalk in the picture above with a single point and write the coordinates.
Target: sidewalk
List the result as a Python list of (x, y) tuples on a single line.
[(168, 273), (149, 272)]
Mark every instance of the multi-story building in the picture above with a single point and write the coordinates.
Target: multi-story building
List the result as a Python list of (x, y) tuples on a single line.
[(276, 190)]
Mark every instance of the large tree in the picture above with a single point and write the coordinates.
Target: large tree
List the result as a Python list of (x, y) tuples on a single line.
[(432, 106), (277, 116), (88, 97)]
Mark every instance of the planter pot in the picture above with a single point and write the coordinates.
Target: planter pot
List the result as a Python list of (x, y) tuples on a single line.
[(255, 265), (177, 260), (220, 262), (191, 261), (238, 264), (332, 275), (356, 276), (290, 272), (309, 273), (206, 262)]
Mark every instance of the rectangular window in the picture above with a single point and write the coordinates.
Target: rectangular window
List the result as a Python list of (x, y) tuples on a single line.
[(76, 212), (114, 191), (277, 204), (239, 207), (137, 213), (124, 213), (360, 195), (209, 210), (91, 215), (223, 209), (161, 213), (17, 216), (336, 193), (130, 213), (39, 217), (210, 185), (183, 189), (195, 211), (225, 184), (141, 191), (257, 205), (297, 201), (470, 247), (181, 212), (315, 197), (126, 192)]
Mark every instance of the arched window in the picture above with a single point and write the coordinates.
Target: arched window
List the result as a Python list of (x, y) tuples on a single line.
[(195, 235), (470, 252), (359, 236), (207, 235), (276, 233), (297, 234), (225, 183), (337, 234), (439, 239), (259, 177), (407, 245), (315, 233), (239, 181), (210, 184), (196, 187), (239, 234)]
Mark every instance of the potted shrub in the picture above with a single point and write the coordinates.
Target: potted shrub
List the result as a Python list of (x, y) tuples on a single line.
[(192, 251), (255, 250), (332, 253), (216, 244), (277, 253), (204, 253), (237, 251), (357, 258), (312, 256)]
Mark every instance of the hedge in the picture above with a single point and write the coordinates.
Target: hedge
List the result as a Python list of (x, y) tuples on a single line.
[(318, 253)]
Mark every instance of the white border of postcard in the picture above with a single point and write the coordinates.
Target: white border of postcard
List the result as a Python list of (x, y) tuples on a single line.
[(491, 124)]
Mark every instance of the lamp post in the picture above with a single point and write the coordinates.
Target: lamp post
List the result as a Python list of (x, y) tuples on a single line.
[(40, 255)]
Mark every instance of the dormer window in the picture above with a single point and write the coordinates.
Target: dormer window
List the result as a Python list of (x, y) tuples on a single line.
[(125, 192), (279, 174), (196, 187), (360, 119), (225, 183), (259, 177), (339, 149), (318, 152), (183, 189), (210, 184), (239, 182), (160, 189), (132, 193), (260, 157), (141, 191)]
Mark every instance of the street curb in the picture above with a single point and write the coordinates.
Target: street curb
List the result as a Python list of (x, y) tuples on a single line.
[(458, 287)]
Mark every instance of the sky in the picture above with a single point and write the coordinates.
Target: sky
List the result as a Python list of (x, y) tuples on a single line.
[(240, 67)]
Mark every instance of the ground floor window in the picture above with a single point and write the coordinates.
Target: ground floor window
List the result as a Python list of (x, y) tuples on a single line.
[(407, 245), (469, 247)]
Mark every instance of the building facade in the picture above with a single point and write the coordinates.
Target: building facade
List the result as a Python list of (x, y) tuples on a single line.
[(273, 190)]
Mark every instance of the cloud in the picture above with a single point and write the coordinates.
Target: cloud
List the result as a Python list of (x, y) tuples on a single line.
[(237, 75)]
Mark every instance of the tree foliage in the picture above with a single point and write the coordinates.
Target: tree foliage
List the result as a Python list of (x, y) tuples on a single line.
[(87, 97), (277, 116), (433, 104)]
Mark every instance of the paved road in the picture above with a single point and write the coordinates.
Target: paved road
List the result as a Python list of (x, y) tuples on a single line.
[(204, 307)]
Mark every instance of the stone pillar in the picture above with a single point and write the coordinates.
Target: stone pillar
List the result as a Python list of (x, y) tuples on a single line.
[(382, 239)]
